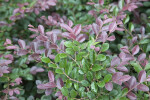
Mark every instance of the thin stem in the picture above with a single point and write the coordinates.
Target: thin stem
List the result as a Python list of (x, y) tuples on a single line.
[(71, 78)]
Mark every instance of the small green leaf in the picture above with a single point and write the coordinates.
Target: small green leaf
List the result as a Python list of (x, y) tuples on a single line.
[(147, 67), (64, 91), (73, 93), (69, 44), (107, 78), (92, 56), (70, 51), (85, 83), (91, 95), (45, 59), (52, 65), (62, 55), (121, 4), (144, 41), (59, 71), (105, 47), (126, 20), (124, 92), (97, 67), (94, 87), (57, 58), (101, 57), (131, 27), (101, 84), (137, 67)]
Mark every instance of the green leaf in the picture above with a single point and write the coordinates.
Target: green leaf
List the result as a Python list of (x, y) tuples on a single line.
[(115, 11), (92, 56), (73, 93), (101, 84), (124, 92), (94, 87), (45, 59), (57, 58), (96, 67), (70, 51), (69, 44), (89, 76), (52, 65), (107, 78), (137, 67), (126, 20), (105, 47), (101, 57), (3, 79), (62, 55), (121, 4), (29, 77), (147, 67), (59, 71), (98, 75), (91, 95), (44, 97), (131, 27), (64, 91), (85, 83), (144, 41)]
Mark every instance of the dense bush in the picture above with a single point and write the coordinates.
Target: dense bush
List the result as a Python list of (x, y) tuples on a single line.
[(74, 49)]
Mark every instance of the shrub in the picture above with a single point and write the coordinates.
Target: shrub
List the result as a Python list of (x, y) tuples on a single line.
[(106, 57)]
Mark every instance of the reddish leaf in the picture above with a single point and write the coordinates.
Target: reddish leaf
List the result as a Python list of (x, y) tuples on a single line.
[(135, 50), (8, 41), (148, 78), (48, 91), (60, 83), (22, 43), (109, 86), (101, 2), (143, 87), (111, 38), (51, 76), (115, 61), (134, 39), (122, 68), (111, 70), (132, 82), (124, 78), (77, 29), (142, 76), (65, 26), (99, 22), (122, 55), (70, 23), (95, 28), (131, 96), (41, 29), (108, 20), (125, 49), (116, 76), (81, 38), (11, 47), (141, 57), (112, 27)]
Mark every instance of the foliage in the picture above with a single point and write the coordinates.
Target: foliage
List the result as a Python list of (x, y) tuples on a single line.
[(95, 50)]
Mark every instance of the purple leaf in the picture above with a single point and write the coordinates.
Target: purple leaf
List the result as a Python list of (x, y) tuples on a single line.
[(112, 27), (97, 48), (131, 96), (109, 86), (65, 26), (80, 38), (3, 70), (122, 55), (108, 20), (115, 61), (116, 76), (46, 86), (125, 49), (60, 83), (141, 57), (42, 38), (41, 29), (101, 2), (132, 82), (72, 36), (135, 50), (39, 70), (134, 39), (53, 37), (122, 68), (70, 23), (11, 47), (77, 29), (111, 70), (11, 92), (48, 91), (16, 91), (143, 87), (22, 52), (8, 41), (51, 76), (95, 28), (142, 76), (124, 78), (22, 43), (99, 22), (111, 38), (103, 37)]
